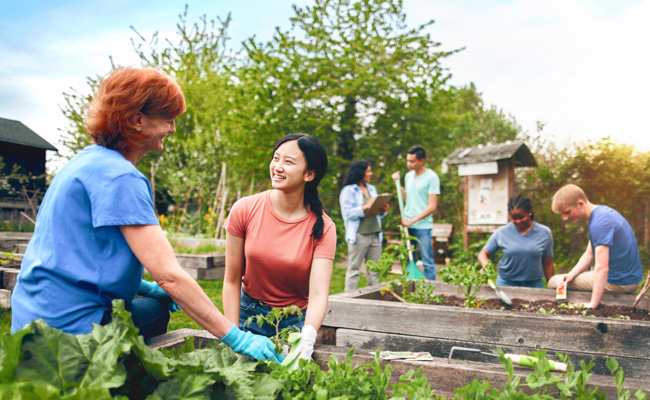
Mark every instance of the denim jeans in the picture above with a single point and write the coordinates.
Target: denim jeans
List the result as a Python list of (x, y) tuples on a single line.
[(426, 250), (150, 315), (537, 283), (250, 307)]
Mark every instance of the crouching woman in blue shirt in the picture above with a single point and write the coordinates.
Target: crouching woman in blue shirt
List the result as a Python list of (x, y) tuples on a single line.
[(527, 247), (96, 228)]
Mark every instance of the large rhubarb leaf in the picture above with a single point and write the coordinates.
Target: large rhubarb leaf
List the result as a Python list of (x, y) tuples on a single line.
[(10, 350), (91, 360), (184, 385), (235, 371)]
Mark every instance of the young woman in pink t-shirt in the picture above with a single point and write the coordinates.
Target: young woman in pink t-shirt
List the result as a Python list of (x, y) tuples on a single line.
[(280, 245)]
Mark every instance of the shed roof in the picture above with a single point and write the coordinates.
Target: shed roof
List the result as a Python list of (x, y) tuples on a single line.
[(15, 132), (517, 151)]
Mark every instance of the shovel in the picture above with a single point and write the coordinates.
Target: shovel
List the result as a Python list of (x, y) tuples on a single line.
[(412, 271), (524, 361), (502, 295)]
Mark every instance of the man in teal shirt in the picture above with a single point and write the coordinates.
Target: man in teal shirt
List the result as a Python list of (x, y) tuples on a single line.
[(422, 187)]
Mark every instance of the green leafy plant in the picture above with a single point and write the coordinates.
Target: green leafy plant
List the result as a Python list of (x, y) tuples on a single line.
[(7, 258), (469, 277), (422, 292), (113, 362), (572, 306), (274, 318)]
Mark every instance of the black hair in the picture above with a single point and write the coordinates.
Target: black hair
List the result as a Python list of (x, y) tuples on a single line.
[(316, 157), (419, 152), (356, 172), (520, 202)]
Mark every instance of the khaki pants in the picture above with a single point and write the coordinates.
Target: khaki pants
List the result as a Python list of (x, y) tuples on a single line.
[(585, 282), (366, 248)]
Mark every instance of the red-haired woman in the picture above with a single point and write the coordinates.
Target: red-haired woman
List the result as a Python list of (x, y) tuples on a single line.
[(97, 227)]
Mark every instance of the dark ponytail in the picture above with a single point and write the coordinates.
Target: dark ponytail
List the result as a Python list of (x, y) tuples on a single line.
[(316, 157), (520, 202)]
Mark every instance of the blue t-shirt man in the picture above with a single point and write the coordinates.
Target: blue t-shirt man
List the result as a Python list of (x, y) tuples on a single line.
[(608, 227), (78, 261), (523, 254)]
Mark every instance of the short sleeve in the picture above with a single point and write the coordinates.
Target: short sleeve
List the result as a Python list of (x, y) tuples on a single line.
[(325, 247), (548, 250), (236, 221), (124, 200), (492, 244), (603, 234), (434, 184)]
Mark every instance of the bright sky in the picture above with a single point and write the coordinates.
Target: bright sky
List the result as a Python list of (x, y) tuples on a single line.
[(580, 67)]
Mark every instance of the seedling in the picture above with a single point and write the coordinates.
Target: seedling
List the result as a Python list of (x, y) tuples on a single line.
[(423, 290), (274, 318), (469, 277)]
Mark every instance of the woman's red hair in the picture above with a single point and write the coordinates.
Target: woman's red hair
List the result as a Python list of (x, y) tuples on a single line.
[(122, 95)]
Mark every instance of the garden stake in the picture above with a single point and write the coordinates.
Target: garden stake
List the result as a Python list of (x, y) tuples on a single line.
[(412, 271), (640, 295), (524, 361)]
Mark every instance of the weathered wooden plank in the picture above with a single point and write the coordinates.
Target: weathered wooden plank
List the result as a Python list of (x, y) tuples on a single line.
[(5, 298), (174, 339), (206, 274), (532, 294), (500, 328), (634, 367), (9, 276), (16, 235), (204, 261)]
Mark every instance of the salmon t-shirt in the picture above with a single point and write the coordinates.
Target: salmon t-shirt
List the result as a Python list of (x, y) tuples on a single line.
[(278, 252)]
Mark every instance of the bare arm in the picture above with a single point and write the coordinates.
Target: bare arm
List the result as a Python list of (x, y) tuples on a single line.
[(483, 257), (549, 270), (235, 259), (151, 247), (319, 287), (582, 265), (600, 275), (428, 210)]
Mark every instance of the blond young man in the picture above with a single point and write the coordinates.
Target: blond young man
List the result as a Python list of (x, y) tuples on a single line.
[(612, 248)]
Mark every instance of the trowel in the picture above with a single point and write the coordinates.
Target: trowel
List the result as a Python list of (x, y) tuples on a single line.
[(502, 295), (523, 360)]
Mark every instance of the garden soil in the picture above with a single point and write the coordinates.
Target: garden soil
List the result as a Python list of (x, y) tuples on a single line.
[(554, 308)]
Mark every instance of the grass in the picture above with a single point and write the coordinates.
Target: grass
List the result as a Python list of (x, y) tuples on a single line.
[(213, 289)]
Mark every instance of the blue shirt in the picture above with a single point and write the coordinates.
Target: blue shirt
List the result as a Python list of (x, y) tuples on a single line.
[(78, 261), (351, 199), (523, 254), (418, 189), (608, 227)]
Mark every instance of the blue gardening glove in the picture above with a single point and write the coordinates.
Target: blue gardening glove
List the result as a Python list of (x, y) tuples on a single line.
[(152, 289), (256, 346)]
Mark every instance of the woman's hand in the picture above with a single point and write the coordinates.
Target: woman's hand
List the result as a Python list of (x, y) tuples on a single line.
[(306, 346), (256, 346)]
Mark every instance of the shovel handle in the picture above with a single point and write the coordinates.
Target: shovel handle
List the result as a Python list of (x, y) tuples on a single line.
[(528, 361)]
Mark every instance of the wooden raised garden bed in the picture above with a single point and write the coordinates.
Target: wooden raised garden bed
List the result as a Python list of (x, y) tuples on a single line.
[(443, 376), (367, 319), (203, 266)]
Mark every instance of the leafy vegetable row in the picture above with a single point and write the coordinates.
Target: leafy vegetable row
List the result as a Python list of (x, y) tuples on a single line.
[(113, 361)]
